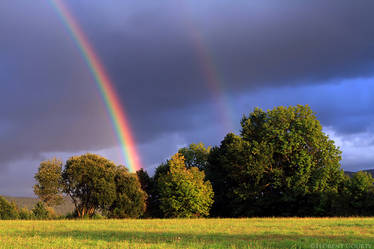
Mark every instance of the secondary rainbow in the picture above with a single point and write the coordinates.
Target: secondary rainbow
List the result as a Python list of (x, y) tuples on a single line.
[(214, 83), (209, 69), (107, 90)]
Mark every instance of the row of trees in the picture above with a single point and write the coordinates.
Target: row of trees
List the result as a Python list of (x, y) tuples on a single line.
[(281, 164), (10, 211), (94, 184)]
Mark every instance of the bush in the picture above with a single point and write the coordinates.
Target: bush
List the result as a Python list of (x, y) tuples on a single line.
[(42, 212), (25, 214), (97, 216), (8, 210)]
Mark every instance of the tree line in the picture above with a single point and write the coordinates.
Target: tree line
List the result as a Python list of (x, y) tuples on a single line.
[(280, 164)]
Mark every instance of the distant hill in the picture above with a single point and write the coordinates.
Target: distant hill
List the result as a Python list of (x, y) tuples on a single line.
[(350, 173), (29, 203)]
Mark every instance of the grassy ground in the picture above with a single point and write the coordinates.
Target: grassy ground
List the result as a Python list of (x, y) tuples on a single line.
[(190, 233)]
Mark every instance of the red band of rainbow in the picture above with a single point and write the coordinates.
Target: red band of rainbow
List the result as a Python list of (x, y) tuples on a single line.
[(107, 90)]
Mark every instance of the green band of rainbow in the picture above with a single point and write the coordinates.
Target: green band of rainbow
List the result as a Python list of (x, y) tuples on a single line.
[(112, 102)]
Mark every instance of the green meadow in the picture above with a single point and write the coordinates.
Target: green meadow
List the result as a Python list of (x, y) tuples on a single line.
[(190, 233)]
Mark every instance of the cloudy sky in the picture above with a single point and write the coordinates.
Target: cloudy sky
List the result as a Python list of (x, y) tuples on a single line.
[(186, 71)]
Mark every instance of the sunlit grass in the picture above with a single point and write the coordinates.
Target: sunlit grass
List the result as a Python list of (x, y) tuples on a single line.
[(190, 233)]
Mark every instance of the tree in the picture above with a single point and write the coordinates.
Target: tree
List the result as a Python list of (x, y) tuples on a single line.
[(281, 157), (145, 180), (148, 186), (49, 182), (8, 210), (90, 182), (40, 211), (25, 214), (359, 194), (196, 155), (184, 192), (130, 198)]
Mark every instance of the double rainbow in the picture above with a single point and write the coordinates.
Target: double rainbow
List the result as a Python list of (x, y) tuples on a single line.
[(107, 90)]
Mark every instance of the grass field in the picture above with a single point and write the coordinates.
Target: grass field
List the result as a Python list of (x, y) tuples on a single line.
[(190, 233)]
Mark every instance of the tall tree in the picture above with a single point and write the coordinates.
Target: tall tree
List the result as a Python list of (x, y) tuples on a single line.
[(184, 192), (49, 182), (90, 182), (195, 155), (280, 157), (148, 186), (130, 201)]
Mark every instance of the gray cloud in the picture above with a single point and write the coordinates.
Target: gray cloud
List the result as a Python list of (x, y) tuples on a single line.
[(155, 53)]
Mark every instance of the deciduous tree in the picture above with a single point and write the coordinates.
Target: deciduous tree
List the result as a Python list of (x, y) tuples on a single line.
[(90, 182), (184, 192), (49, 182), (130, 201), (8, 210), (280, 157), (195, 155)]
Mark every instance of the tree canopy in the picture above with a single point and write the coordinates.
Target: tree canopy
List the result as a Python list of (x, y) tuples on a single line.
[(184, 192), (280, 157), (130, 201), (280, 164), (8, 210), (195, 155), (95, 183), (49, 182), (89, 181)]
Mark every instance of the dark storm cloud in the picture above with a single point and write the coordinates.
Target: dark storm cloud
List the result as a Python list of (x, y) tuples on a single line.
[(50, 103), (155, 60)]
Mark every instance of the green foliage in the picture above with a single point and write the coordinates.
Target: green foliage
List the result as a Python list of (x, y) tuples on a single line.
[(148, 186), (25, 214), (97, 184), (183, 192), (40, 211), (49, 186), (281, 157), (89, 181), (359, 184), (358, 194), (29, 202), (196, 155), (8, 210), (145, 180), (130, 198)]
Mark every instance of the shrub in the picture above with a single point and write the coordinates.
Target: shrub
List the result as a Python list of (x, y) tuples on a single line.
[(25, 214), (8, 210), (42, 212)]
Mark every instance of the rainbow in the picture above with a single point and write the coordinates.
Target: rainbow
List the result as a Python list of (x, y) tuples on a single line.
[(214, 83), (112, 102), (209, 71)]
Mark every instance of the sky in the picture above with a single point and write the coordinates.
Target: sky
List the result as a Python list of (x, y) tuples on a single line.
[(185, 71)]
